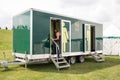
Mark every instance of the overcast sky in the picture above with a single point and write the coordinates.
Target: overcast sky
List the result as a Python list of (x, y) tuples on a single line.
[(106, 12)]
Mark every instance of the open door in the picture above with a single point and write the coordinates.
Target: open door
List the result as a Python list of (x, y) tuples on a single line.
[(66, 36), (88, 38)]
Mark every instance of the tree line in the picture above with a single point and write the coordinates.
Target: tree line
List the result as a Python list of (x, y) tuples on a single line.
[(6, 28)]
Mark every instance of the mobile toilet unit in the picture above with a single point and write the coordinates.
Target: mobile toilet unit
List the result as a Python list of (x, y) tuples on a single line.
[(33, 30)]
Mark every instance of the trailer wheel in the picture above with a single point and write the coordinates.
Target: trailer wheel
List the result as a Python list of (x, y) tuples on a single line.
[(72, 60), (81, 59)]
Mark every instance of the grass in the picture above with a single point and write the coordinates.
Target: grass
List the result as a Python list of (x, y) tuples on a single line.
[(89, 70), (5, 39), (5, 43)]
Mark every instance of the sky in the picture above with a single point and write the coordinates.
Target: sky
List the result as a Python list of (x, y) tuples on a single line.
[(106, 12)]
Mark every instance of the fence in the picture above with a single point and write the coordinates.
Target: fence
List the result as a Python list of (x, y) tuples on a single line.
[(111, 46)]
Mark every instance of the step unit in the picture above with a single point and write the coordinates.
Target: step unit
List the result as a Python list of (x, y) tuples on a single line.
[(60, 62), (97, 56)]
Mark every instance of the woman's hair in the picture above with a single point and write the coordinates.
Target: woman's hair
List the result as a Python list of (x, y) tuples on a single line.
[(56, 30)]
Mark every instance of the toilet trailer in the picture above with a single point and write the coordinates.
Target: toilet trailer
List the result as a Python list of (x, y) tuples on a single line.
[(34, 31)]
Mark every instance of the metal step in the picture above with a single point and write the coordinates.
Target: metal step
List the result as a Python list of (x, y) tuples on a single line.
[(64, 66), (60, 62), (97, 57), (61, 58), (100, 60)]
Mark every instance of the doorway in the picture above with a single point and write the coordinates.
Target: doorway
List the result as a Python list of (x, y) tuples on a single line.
[(63, 26), (92, 38), (55, 25), (88, 37)]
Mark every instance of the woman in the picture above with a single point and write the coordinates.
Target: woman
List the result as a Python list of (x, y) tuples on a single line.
[(57, 39)]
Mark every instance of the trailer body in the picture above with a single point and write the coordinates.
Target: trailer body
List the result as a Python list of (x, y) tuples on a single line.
[(33, 30)]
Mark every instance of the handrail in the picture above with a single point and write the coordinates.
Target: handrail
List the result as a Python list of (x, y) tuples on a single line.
[(55, 43), (57, 47)]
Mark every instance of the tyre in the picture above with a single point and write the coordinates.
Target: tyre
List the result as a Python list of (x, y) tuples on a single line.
[(72, 60), (81, 59)]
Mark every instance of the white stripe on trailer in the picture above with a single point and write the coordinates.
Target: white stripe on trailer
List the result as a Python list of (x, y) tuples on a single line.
[(31, 31)]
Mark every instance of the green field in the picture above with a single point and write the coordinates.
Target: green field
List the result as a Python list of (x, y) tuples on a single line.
[(89, 70), (6, 43)]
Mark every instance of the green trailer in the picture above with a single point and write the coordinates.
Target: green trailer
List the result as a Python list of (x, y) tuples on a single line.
[(33, 30)]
